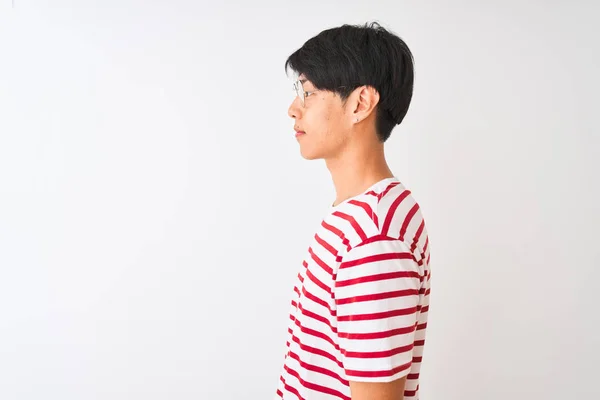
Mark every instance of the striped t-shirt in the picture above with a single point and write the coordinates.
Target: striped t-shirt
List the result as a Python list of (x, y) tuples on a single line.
[(360, 302)]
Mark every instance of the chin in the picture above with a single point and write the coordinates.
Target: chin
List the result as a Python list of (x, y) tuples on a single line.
[(311, 155)]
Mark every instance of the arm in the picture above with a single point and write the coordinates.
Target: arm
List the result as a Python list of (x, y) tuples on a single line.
[(378, 391), (377, 298)]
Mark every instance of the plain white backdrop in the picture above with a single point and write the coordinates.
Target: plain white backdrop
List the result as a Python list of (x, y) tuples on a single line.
[(154, 206)]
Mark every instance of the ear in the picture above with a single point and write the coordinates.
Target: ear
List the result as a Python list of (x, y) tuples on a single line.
[(366, 99)]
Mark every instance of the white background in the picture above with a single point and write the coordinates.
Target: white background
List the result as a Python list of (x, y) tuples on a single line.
[(154, 206)]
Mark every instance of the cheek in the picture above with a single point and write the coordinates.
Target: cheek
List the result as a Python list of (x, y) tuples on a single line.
[(334, 120), (330, 118), (318, 123), (326, 123)]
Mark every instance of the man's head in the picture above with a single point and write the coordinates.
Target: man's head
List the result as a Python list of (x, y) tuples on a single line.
[(359, 81)]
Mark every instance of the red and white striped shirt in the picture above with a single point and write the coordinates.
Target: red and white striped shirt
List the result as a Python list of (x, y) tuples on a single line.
[(360, 303)]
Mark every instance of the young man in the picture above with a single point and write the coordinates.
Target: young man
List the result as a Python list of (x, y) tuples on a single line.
[(360, 303)]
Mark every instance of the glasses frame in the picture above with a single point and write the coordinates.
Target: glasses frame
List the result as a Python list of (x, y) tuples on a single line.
[(303, 94)]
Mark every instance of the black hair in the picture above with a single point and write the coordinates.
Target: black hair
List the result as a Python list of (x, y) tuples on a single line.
[(344, 58)]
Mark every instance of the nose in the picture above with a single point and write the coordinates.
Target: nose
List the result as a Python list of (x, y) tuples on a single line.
[(294, 109)]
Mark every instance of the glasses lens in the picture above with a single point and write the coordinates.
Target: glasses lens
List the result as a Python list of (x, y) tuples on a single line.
[(299, 91)]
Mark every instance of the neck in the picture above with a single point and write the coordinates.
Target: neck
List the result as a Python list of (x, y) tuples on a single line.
[(357, 168)]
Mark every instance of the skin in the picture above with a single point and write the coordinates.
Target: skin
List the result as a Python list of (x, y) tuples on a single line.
[(343, 134)]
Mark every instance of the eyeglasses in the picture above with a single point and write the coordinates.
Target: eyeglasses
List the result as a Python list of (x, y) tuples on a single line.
[(303, 94), (300, 92)]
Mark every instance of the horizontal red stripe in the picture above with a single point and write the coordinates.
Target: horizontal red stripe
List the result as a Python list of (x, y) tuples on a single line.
[(320, 262), (290, 388), (314, 386), (378, 374), (378, 296), (378, 354), (422, 326), (318, 300), (317, 334), (317, 282), (314, 350), (379, 315), (359, 231), (376, 239), (336, 232), (326, 245), (376, 258), (317, 369), (412, 377), (378, 277), (377, 335), (367, 209), (318, 317), (419, 343)]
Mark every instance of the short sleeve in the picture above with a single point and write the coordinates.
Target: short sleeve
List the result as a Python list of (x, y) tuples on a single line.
[(377, 303)]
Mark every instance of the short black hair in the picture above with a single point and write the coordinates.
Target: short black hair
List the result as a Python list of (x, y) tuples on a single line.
[(344, 58)]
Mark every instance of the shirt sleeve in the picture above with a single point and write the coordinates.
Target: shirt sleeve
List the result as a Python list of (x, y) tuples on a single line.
[(377, 303)]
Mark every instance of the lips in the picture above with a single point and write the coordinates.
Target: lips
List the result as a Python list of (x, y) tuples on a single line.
[(300, 133)]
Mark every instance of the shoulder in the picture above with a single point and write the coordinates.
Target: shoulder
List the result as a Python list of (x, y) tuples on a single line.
[(374, 213), (399, 213), (387, 211)]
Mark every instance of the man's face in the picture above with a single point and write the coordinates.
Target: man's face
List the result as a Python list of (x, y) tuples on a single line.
[(321, 125)]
